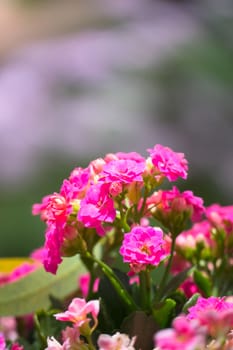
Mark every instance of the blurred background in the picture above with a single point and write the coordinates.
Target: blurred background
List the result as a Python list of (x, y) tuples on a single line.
[(82, 78)]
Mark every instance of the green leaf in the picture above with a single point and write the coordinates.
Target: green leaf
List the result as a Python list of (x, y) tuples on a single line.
[(32, 292), (192, 301), (203, 283), (176, 281), (162, 312)]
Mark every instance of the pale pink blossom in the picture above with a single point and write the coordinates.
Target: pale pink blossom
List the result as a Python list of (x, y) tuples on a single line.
[(199, 232), (8, 326), (169, 163), (53, 344), (221, 216), (118, 341), (78, 312), (142, 247), (97, 207)]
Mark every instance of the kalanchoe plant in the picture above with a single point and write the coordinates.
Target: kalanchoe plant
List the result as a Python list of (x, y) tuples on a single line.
[(158, 264)]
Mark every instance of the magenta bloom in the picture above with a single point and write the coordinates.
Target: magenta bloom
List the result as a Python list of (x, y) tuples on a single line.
[(215, 304), (78, 312), (124, 171), (169, 163), (75, 187), (2, 342), (52, 249), (184, 335), (143, 246), (97, 207), (215, 313)]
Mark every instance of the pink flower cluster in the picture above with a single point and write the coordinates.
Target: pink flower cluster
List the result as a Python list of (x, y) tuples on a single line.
[(90, 197), (208, 325), (143, 247)]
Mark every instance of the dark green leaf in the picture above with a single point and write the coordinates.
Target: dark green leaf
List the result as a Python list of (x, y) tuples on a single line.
[(176, 281)]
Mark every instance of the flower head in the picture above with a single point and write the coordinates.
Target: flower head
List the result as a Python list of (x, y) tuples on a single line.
[(184, 335), (124, 171), (78, 312), (169, 163), (215, 313), (97, 207), (142, 247)]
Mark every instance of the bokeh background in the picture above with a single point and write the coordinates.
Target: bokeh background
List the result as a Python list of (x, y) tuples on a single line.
[(82, 78)]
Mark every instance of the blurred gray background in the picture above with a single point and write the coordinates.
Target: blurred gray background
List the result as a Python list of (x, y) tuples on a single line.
[(82, 78)]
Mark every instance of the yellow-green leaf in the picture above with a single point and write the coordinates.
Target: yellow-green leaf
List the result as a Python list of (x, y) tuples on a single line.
[(31, 293)]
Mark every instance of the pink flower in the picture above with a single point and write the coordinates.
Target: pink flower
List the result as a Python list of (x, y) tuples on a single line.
[(17, 346), (2, 342), (124, 171), (71, 339), (53, 344), (184, 335), (199, 232), (166, 205), (41, 208), (78, 312), (212, 303), (169, 163), (117, 341), (215, 313), (75, 187), (84, 282), (174, 200), (52, 252), (221, 216), (8, 326), (189, 287), (97, 207), (143, 246)]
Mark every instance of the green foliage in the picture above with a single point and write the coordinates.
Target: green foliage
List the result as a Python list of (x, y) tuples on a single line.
[(32, 292), (203, 283), (163, 312)]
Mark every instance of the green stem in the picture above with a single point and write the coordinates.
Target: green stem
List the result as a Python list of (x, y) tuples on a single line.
[(145, 289), (123, 219), (121, 291), (90, 343), (167, 270)]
